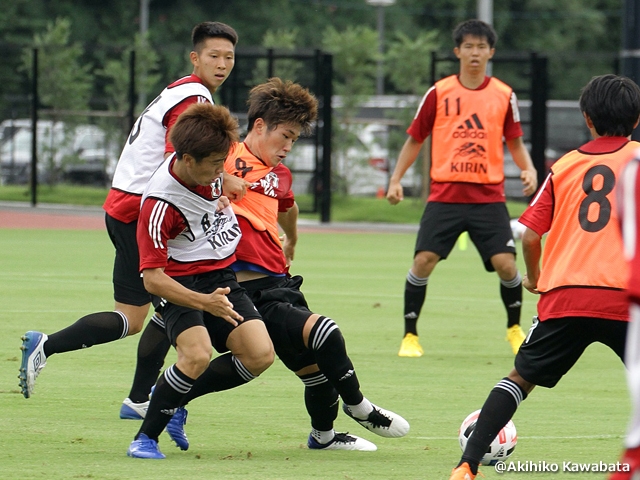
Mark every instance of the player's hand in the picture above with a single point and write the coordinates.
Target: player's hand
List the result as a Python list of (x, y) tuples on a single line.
[(288, 249), (223, 202), (219, 305), (395, 193), (530, 285), (529, 181), (234, 187)]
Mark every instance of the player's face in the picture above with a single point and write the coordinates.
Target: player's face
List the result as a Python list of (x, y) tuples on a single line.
[(274, 145), (474, 53), (204, 172), (214, 62)]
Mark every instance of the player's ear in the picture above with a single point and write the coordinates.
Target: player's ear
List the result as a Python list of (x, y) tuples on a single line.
[(193, 56)]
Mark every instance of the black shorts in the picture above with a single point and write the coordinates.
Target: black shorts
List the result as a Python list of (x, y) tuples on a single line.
[(553, 346), (488, 224), (128, 286), (285, 312), (177, 319)]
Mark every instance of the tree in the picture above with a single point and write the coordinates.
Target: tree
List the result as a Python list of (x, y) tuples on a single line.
[(117, 73), (284, 41), (64, 82), (355, 53)]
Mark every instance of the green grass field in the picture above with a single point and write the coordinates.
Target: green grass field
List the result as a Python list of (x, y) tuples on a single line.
[(70, 428)]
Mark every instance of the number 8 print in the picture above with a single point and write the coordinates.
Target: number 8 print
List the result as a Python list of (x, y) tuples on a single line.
[(596, 196)]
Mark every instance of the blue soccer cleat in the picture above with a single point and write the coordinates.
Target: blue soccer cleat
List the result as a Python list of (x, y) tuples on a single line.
[(33, 360), (144, 447), (175, 428)]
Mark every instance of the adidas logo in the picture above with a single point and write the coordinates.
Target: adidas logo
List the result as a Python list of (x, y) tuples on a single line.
[(470, 128), (511, 243), (349, 374), (411, 316)]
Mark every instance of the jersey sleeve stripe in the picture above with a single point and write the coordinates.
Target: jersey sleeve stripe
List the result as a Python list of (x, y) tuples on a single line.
[(155, 223)]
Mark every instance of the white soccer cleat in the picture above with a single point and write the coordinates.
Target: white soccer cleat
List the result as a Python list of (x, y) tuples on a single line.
[(133, 411), (343, 441), (33, 360), (382, 422)]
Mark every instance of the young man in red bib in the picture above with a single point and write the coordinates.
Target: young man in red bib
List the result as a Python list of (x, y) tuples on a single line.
[(467, 116)]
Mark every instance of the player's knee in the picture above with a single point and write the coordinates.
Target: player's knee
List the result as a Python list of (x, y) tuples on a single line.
[(326, 335), (259, 358), (424, 263), (196, 361)]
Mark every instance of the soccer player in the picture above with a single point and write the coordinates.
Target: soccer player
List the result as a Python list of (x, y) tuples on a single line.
[(628, 202), (583, 275), (145, 149), (309, 344), (467, 115), (187, 242)]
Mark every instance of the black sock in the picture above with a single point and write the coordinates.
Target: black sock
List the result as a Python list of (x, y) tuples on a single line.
[(223, 373), (171, 387), (511, 293), (415, 292), (90, 330), (152, 350), (327, 344), (497, 410), (321, 400)]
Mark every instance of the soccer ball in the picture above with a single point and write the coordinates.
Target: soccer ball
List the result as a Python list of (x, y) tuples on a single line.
[(502, 446)]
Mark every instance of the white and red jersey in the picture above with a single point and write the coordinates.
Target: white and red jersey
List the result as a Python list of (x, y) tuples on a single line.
[(179, 228), (460, 120), (147, 145), (629, 208)]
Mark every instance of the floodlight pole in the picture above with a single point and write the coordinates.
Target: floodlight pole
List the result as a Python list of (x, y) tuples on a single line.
[(485, 13), (630, 54), (380, 4), (144, 26)]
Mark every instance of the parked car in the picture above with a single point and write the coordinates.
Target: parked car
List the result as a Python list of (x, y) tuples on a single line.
[(80, 154), (362, 169)]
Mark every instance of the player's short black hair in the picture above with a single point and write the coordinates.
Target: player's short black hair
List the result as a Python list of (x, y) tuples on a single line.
[(612, 102), (475, 28), (282, 102), (205, 30)]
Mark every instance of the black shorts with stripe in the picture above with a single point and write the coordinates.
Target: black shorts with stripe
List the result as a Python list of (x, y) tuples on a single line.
[(553, 346), (285, 312), (488, 224), (177, 318)]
